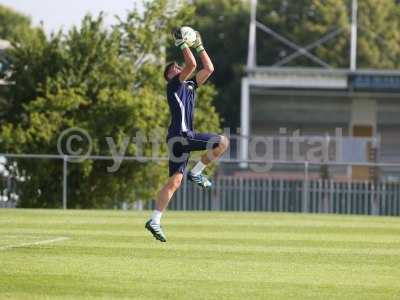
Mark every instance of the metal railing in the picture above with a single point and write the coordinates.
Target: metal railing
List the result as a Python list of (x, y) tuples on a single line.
[(242, 193), (235, 193), (281, 195)]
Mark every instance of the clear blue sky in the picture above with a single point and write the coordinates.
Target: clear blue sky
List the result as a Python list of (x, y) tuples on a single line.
[(58, 14)]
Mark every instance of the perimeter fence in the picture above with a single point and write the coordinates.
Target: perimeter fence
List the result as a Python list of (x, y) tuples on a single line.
[(302, 190)]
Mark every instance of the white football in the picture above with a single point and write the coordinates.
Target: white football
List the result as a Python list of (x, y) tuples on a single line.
[(188, 35)]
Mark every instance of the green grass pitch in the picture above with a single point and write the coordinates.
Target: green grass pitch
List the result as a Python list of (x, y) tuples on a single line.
[(52, 254)]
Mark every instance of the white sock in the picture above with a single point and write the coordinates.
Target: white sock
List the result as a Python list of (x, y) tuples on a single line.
[(198, 168), (156, 217)]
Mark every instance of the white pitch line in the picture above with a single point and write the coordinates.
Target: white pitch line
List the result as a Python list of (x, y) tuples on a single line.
[(44, 242)]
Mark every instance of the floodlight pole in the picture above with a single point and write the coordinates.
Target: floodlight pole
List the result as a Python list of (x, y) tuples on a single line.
[(245, 122), (252, 51), (245, 93), (353, 49)]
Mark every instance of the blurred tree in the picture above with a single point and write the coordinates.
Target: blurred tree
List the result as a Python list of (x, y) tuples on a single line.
[(305, 21), (379, 35), (224, 26), (12, 23), (108, 83)]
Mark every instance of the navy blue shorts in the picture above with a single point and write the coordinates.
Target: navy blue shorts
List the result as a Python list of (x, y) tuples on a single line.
[(181, 146)]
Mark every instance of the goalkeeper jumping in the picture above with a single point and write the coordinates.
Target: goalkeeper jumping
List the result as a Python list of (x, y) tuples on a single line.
[(182, 139)]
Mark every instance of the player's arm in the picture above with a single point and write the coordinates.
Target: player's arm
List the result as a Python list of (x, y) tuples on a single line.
[(190, 60), (208, 67), (190, 64)]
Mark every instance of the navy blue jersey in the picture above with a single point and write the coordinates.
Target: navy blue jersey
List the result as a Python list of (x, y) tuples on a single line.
[(181, 101)]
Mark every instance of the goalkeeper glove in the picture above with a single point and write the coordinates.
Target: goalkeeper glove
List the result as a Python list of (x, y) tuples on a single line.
[(179, 42), (198, 44)]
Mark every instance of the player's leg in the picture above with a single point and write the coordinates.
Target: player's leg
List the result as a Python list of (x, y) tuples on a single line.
[(177, 164), (214, 153), (216, 145), (166, 193), (163, 199)]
